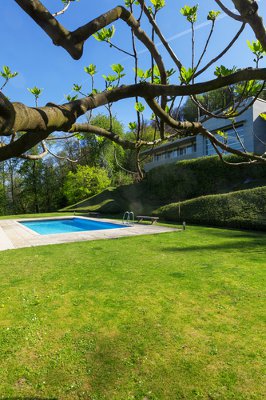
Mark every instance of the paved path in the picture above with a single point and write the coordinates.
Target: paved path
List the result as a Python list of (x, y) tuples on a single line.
[(14, 235)]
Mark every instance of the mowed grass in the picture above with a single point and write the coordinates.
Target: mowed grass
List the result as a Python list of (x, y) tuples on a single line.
[(170, 316), (40, 215)]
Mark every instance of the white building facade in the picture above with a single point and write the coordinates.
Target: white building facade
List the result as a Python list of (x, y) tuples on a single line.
[(249, 133)]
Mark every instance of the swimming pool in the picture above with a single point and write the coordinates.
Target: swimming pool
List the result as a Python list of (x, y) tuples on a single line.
[(67, 225)]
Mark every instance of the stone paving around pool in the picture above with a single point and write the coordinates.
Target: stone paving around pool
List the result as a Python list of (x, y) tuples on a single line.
[(14, 235)]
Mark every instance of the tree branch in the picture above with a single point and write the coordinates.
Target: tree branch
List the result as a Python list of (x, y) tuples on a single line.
[(40, 122), (225, 50), (73, 42), (88, 128), (248, 12), (160, 35), (198, 128), (229, 12), (63, 9)]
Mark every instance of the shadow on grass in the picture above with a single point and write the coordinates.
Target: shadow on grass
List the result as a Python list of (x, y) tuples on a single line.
[(253, 246), (177, 275), (29, 398), (230, 234)]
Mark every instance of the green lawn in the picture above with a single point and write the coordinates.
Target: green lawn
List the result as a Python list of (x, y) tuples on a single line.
[(170, 316), (40, 215)]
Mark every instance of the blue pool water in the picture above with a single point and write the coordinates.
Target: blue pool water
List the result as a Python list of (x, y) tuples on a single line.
[(66, 225)]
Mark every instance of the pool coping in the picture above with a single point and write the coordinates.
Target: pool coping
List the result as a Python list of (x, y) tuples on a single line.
[(14, 235)]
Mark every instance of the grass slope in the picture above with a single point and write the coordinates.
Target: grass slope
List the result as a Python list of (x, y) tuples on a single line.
[(162, 317), (134, 197)]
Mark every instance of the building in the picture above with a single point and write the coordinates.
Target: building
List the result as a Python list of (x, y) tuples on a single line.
[(250, 127)]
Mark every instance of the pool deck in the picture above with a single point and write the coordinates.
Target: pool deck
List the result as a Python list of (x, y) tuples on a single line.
[(14, 235)]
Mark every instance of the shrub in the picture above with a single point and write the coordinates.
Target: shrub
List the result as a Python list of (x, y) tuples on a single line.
[(207, 175), (242, 209)]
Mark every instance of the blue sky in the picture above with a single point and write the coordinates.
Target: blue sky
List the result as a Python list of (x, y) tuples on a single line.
[(28, 50)]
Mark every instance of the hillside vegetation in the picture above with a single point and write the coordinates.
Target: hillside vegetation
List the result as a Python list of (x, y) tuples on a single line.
[(134, 197), (202, 176), (198, 179), (242, 209)]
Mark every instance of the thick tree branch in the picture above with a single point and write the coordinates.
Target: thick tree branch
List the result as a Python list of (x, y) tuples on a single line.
[(193, 127), (73, 42), (16, 117), (52, 117), (248, 12), (40, 122)]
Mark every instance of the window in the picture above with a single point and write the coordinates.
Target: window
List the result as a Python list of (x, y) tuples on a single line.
[(189, 150), (175, 153), (234, 138)]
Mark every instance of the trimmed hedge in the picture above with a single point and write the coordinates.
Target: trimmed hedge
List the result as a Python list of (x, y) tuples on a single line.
[(207, 175), (242, 209)]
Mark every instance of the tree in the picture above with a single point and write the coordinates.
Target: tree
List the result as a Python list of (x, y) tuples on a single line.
[(101, 151), (86, 182), (22, 127)]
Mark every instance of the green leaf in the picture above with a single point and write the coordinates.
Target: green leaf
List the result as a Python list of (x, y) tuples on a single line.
[(156, 75), (35, 91), (140, 72), (110, 78), (158, 4), (132, 126), (256, 48), (76, 88), (139, 107), (170, 72), (263, 116), (223, 71), (7, 74), (129, 2), (118, 68), (250, 88), (95, 91), (213, 15), (79, 136), (105, 34), (190, 13), (71, 98), (186, 74), (156, 70), (222, 134), (91, 69)]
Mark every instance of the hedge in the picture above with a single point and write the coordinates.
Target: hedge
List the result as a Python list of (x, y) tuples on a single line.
[(241, 209), (207, 175)]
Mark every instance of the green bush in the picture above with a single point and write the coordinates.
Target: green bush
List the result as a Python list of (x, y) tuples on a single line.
[(85, 182), (242, 209), (207, 175)]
